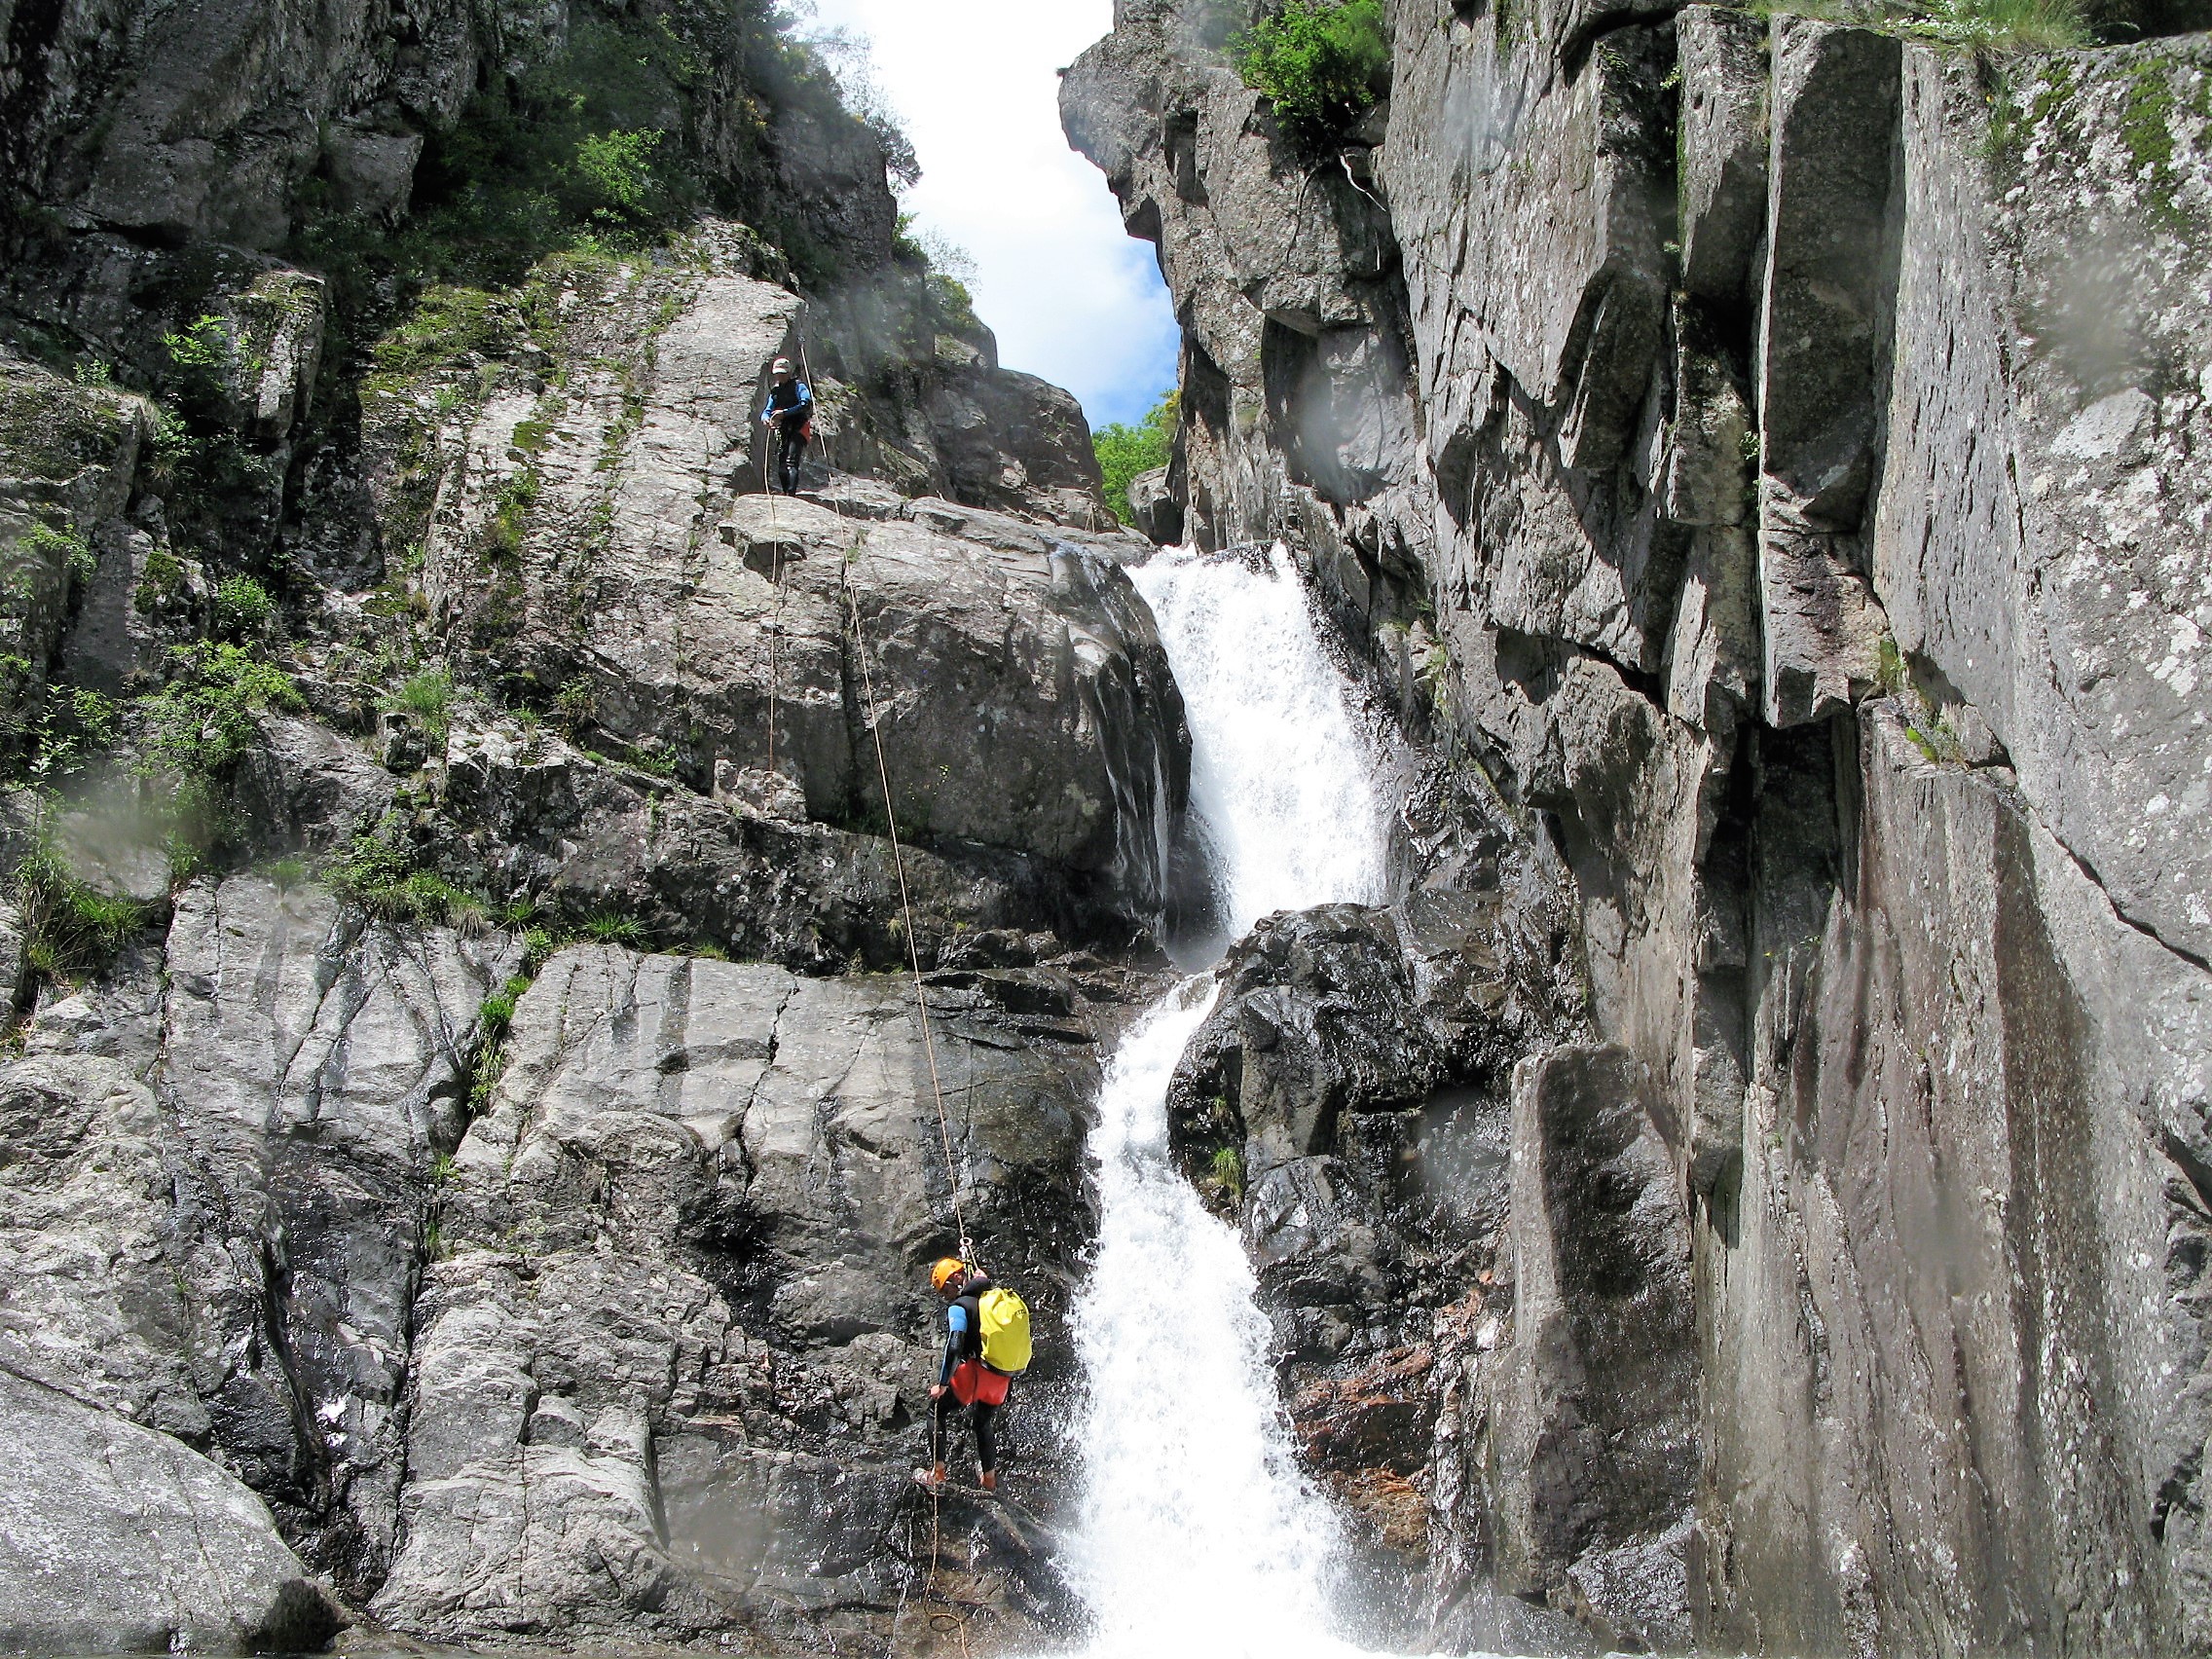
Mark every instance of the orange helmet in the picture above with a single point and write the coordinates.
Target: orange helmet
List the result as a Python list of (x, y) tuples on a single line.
[(947, 1269)]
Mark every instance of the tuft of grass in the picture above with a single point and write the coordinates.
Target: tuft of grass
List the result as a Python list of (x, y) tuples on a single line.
[(1228, 1169), (1890, 675), (429, 697), (1995, 26), (496, 1013), (70, 929), (616, 930)]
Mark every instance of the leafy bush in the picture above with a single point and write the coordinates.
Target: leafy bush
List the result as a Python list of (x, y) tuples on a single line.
[(204, 719), (243, 608), (619, 166), (1323, 63), (70, 552), (1123, 452), (206, 345)]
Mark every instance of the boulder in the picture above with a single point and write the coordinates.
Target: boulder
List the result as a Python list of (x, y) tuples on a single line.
[(115, 1538), (1153, 509)]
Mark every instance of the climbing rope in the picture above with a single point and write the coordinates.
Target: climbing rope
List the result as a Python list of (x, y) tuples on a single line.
[(906, 908)]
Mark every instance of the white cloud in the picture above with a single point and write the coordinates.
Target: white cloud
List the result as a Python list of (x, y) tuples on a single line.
[(1071, 296)]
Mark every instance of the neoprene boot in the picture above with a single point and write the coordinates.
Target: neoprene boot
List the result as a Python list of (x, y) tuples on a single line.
[(990, 1480)]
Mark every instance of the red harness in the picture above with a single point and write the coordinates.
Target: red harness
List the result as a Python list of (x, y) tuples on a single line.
[(973, 1382)]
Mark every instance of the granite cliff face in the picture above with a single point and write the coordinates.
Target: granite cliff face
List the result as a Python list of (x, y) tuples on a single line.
[(469, 1147), (1768, 454), (465, 1151)]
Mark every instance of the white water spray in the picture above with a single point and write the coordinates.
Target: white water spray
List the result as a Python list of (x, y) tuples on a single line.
[(1281, 785), (1198, 1534)]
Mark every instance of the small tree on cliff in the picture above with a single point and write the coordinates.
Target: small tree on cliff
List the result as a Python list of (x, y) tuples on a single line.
[(1323, 63), (1123, 452)]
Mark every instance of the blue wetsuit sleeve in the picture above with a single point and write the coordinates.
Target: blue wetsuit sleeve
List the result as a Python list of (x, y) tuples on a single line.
[(955, 1327)]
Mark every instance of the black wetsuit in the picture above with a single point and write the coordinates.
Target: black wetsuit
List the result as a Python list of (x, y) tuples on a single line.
[(964, 1345), (790, 416)]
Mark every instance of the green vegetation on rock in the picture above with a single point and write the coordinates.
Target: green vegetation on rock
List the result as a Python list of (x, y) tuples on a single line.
[(205, 719), (70, 928), (1323, 64), (1124, 452)]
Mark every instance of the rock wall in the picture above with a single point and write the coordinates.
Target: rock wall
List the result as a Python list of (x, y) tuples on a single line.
[(468, 1139), (1767, 454)]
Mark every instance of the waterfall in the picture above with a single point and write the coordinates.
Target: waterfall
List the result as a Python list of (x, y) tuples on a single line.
[(1197, 1533)]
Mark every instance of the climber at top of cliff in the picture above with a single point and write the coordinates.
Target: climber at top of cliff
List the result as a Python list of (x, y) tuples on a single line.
[(790, 417), (986, 1342)]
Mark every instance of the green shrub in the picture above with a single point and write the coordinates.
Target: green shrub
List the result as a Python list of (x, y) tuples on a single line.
[(1123, 452), (619, 166), (69, 929), (377, 871), (204, 345), (1323, 63), (429, 697), (205, 718), (243, 608), (575, 706), (70, 552)]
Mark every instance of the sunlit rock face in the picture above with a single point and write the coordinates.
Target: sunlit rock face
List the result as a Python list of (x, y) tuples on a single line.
[(1772, 457), (472, 1137)]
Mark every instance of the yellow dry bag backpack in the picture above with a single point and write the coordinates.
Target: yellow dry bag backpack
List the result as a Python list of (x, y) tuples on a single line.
[(1005, 1320)]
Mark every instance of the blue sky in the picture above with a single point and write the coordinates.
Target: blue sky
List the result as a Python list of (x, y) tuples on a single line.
[(975, 85)]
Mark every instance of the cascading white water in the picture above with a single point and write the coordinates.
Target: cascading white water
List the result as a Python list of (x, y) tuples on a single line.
[(1197, 1534), (1282, 783)]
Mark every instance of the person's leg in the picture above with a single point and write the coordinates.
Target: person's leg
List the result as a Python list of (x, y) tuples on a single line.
[(946, 1405), (986, 1439), (789, 449)]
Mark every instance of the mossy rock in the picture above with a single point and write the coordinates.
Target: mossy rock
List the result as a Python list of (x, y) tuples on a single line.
[(53, 432)]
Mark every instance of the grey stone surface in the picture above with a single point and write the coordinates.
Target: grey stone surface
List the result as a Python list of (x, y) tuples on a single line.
[(2039, 533), (1724, 150), (116, 1539), (1026, 703), (679, 1323), (1894, 928)]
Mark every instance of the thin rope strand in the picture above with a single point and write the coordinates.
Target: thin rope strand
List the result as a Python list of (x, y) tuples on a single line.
[(907, 908)]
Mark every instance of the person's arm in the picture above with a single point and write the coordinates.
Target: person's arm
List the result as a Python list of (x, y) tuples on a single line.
[(804, 406), (955, 1328)]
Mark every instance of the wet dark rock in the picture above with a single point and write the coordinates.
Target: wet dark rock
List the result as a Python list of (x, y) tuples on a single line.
[(1798, 523)]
